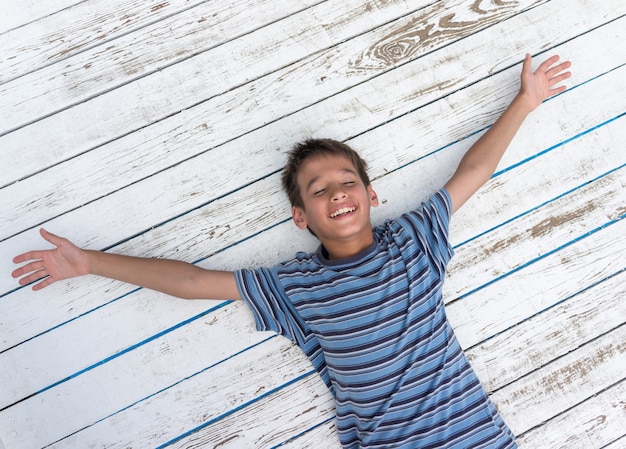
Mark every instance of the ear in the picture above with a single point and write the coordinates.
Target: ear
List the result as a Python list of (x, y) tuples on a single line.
[(372, 195), (299, 217)]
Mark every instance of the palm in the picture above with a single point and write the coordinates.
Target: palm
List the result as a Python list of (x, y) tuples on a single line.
[(63, 262)]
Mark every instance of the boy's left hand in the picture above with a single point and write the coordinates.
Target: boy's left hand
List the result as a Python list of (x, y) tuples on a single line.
[(539, 85)]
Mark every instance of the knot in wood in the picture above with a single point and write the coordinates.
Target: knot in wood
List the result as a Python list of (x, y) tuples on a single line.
[(393, 52)]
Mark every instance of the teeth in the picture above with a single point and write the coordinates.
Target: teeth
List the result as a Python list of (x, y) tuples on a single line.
[(343, 210)]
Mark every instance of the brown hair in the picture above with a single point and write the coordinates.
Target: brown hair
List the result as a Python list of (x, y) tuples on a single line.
[(314, 147)]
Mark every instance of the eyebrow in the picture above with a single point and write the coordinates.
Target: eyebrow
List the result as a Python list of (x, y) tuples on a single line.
[(316, 178)]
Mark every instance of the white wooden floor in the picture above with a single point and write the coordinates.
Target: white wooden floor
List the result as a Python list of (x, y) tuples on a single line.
[(158, 128)]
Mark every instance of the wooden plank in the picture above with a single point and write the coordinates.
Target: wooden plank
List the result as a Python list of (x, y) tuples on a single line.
[(595, 423), (550, 334), (163, 367), (540, 230), (564, 383), (323, 435), (42, 362), (497, 205), (74, 29), (209, 397), (266, 425), (617, 444), (17, 13), (286, 91), (262, 37), (502, 299)]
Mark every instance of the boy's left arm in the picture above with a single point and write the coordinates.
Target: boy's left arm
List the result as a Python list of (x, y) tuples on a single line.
[(481, 160)]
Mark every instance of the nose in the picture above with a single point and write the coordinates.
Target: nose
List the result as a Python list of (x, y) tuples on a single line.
[(338, 194)]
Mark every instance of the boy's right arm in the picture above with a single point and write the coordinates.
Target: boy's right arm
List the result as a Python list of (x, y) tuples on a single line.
[(173, 277)]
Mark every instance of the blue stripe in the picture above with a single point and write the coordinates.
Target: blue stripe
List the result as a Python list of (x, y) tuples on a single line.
[(118, 354), (547, 150), (556, 304), (568, 192), (236, 409), (166, 388), (310, 429), (543, 256)]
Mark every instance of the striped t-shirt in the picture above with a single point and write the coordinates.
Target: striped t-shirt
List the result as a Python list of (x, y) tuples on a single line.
[(375, 329)]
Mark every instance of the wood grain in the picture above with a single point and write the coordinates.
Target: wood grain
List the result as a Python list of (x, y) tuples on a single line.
[(269, 425), (199, 42), (302, 84), (68, 31), (564, 383)]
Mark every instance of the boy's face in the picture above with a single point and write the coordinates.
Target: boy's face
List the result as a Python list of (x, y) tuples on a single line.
[(336, 202)]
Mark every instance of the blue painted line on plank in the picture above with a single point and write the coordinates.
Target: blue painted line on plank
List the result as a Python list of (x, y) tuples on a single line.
[(564, 142), (578, 187), (236, 409), (320, 424), (556, 304), (543, 256), (165, 388), (135, 346)]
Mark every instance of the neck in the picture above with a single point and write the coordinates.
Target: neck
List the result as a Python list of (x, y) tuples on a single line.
[(344, 249)]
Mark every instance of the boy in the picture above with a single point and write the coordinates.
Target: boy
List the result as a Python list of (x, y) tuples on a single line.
[(367, 307)]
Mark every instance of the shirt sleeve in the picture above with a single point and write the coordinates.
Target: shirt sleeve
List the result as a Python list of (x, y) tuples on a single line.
[(273, 311), (429, 225)]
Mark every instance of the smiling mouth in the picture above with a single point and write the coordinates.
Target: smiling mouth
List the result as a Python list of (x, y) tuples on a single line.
[(342, 211)]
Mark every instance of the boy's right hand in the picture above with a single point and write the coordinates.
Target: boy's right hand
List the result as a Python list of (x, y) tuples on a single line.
[(63, 262)]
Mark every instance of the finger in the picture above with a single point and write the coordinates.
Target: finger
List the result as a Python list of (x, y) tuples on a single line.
[(52, 238), (29, 268), (43, 284), (527, 64), (31, 255), (545, 65), (35, 276), (558, 69), (559, 78), (19, 272), (21, 258)]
